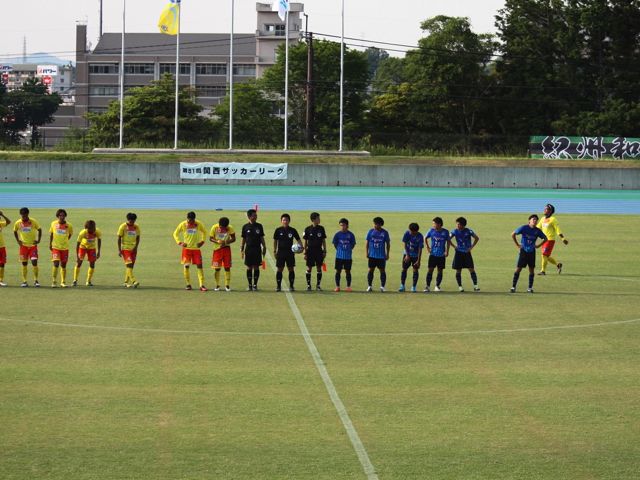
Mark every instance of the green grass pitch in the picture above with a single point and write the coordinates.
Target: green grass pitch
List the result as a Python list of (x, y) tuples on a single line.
[(160, 383)]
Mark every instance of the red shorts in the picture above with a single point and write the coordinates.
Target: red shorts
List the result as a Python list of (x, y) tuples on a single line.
[(129, 256), (3, 255), (221, 258), (191, 256), (90, 253), (61, 256), (547, 247), (28, 253)]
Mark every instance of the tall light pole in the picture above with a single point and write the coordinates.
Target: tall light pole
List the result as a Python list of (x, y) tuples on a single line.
[(231, 78), (341, 77), (124, 9)]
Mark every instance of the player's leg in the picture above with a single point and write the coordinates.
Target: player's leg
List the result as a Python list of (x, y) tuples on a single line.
[(403, 275), (338, 267), (474, 279), (63, 268), (200, 272), (279, 269), (227, 278), (36, 270), (383, 274), (76, 270), (308, 272), (459, 277), (55, 267), (416, 277), (372, 267), (439, 276), (318, 263), (429, 278), (3, 260)]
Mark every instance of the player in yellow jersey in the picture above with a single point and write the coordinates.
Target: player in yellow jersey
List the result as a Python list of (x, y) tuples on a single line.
[(4, 221), (28, 235), (222, 235), (59, 234), (549, 226), (128, 241), (88, 245), (190, 235)]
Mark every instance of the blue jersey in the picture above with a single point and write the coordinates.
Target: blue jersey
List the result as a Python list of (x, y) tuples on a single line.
[(529, 237), (413, 243), (463, 239), (439, 241), (377, 240), (344, 243)]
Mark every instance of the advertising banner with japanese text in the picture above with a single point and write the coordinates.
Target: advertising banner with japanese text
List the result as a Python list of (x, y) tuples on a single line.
[(559, 147), (233, 171)]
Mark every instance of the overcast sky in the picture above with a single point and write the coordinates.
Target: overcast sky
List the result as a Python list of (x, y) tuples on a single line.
[(49, 26)]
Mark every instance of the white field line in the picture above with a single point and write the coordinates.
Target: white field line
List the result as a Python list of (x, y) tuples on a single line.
[(357, 444), (288, 334)]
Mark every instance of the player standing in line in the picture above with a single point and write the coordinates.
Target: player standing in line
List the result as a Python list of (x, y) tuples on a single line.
[(344, 241), (88, 245), (190, 235), (315, 249), (25, 231), (413, 246), (59, 234), (4, 221), (438, 252), (283, 239), (377, 246), (128, 241), (252, 248), (462, 257), (222, 235), (527, 248), (549, 226)]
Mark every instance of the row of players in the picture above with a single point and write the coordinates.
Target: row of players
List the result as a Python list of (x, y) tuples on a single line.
[(191, 234)]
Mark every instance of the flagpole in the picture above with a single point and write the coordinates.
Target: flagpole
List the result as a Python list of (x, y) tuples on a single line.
[(124, 8), (286, 79), (175, 138), (341, 79), (231, 79)]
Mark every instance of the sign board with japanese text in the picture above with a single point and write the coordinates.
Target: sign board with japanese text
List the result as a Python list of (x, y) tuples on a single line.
[(6, 68), (47, 70), (233, 171), (559, 147)]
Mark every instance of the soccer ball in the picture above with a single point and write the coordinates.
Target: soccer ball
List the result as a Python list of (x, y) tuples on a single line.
[(296, 248)]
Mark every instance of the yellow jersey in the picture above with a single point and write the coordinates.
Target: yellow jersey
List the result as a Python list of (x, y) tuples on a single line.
[(549, 227), (61, 234), (89, 241), (3, 223), (27, 231), (221, 233), (128, 235), (192, 234)]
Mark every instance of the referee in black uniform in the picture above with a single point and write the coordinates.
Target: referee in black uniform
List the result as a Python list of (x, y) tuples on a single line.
[(283, 239), (252, 248), (315, 249)]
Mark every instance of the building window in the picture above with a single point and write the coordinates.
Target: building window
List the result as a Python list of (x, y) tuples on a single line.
[(138, 68), (97, 109), (280, 31), (211, 91), (211, 68), (104, 68), (104, 90), (246, 70), (185, 68), (277, 30)]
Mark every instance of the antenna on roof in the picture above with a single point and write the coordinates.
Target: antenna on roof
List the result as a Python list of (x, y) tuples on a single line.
[(100, 20), (24, 49)]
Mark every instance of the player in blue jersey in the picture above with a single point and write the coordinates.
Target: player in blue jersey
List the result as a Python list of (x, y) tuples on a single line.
[(377, 246), (462, 257), (344, 241), (413, 246), (438, 252), (527, 248)]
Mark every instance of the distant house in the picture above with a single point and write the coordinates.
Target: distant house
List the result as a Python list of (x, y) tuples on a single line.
[(204, 64)]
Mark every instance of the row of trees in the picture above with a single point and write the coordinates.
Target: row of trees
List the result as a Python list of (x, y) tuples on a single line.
[(555, 66), (25, 109)]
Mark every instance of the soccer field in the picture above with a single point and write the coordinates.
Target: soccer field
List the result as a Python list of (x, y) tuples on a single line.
[(161, 383)]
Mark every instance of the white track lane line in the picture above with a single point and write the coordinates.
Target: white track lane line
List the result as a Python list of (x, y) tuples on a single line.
[(357, 444)]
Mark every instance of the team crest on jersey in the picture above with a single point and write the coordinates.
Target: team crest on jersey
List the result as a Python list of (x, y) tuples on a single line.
[(290, 235), (258, 231)]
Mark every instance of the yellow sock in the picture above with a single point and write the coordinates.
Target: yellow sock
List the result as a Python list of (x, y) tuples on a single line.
[(552, 261), (1, 274), (544, 264), (200, 277), (130, 274), (227, 278), (217, 275), (54, 273), (187, 277), (36, 271), (63, 274), (76, 272), (90, 274), (24, 273)]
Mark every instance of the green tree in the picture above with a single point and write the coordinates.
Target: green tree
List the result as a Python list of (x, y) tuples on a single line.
[(30, 107), (149, 117), (4, 139), (326, 87), (254, 122)]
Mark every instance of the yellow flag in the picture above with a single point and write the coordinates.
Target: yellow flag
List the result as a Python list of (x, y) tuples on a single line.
[(169, 22)]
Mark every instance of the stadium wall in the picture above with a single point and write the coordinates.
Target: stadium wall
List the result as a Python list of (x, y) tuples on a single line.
[(331, 175)]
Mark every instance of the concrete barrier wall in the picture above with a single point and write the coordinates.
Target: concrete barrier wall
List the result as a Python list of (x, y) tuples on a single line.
[(330, 175)]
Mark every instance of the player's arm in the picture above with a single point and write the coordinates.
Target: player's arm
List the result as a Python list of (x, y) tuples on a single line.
[(476, 239), (426, 244), (275, 246), (515, 240), (6, 219), (119, 245), (176, 235), (135, 247), (447, 247), (324, 247), (366, 248), (99, 247), (264, 245), (242, 245), (543, 238), (203, 234), (15, 234), (417, 264), (212, 236), (561, 235), (50, 240), (39, 235), (387, 244), (231, 238)]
